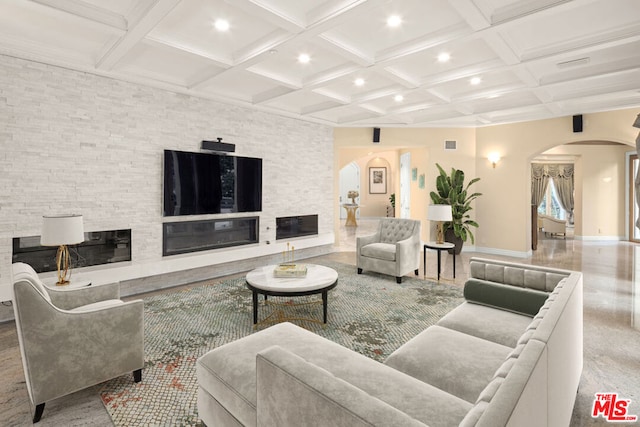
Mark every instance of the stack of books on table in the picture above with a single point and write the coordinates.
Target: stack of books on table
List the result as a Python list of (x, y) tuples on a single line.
[(290, 270)]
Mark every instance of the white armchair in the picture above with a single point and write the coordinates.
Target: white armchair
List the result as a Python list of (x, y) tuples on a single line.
[(73, 339), (551, 225), (394, 249)]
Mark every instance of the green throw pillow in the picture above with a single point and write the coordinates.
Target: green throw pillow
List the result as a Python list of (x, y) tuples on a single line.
[(507, 297)]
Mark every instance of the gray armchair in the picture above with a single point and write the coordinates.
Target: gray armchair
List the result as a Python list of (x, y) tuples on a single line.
[(73, 339), (393, 250)]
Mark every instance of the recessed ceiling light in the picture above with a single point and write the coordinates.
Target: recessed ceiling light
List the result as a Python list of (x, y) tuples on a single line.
[(444, 57), (398, 98), (394, 21), (221, 24), (475, 80), (304, 58), (359, 81)]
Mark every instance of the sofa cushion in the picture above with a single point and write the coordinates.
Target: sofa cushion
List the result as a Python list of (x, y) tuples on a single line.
[(499, 326), (294, 392), (228, 374), (455, 362), (506, 297), (386, 251)]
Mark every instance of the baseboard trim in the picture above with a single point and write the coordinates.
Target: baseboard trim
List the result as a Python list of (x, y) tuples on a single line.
[(504, 252), (600, 238)]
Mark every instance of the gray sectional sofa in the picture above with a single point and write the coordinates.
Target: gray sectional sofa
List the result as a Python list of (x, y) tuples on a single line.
[(510, 355)]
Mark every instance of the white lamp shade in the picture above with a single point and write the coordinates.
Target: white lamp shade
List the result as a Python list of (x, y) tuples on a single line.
[(62, 230), (439, 213)]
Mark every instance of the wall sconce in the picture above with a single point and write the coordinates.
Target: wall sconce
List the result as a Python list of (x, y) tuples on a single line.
[(494, 158)]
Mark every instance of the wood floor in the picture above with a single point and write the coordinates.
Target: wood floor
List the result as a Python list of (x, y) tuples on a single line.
[(611, 329)]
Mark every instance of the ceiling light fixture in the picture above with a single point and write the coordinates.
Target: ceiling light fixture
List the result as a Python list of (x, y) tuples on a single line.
[(304, 58), (394, 21), (444, 57), (359, 81), (221, 25), (475, 80), (398, 98)]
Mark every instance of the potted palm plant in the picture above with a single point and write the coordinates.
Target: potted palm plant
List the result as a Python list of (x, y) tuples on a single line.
[(451, 190)]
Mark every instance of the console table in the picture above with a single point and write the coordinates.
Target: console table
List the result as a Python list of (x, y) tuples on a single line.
[(438, 247), (351, 214)]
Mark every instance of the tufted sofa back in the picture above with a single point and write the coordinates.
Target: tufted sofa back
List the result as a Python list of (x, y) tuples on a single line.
[(393, 230), (538, 278)]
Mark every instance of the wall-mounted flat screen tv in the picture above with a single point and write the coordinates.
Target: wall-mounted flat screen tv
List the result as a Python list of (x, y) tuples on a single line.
[(204, 183)]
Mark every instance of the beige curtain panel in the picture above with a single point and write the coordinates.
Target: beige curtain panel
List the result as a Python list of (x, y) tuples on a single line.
[(562, 175)]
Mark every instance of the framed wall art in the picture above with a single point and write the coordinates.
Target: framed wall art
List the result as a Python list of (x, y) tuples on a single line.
[(378, 180)]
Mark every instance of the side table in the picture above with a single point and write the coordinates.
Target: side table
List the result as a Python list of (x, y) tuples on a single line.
[(351, 214), (438, 247), (73, 284)]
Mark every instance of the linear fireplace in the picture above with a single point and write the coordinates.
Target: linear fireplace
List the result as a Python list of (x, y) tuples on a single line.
[(296, 226), (193, 236)]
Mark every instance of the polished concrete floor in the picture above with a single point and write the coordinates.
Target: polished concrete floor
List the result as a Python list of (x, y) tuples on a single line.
[(611, 329)]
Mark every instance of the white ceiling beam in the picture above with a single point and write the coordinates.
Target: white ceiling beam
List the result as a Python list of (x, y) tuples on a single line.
[(264, 11), (425, 42), (584, 45), (87, 11), (327, 76), (264, 45), (271, 94), (471, 13), (349, 53), (522, 10), (333, 12), (217, 60), (400, 78), (317, 108), (498, 44), (136, 33)]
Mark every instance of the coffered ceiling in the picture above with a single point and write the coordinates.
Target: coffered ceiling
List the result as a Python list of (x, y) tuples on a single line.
[(532, 59)]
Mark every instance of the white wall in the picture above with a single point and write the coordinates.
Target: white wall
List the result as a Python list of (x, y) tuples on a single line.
[(76, 142)]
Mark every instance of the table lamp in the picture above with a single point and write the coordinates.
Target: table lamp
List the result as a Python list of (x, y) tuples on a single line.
[(439, 213), (61, 231)]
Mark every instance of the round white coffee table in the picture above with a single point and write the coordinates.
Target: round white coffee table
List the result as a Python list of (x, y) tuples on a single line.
[(319, 280)]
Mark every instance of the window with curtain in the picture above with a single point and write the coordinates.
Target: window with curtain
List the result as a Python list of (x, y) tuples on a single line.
[(552, 189), (550, 204)]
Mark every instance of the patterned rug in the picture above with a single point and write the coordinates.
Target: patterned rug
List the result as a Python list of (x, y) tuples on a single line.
[(368, 313)]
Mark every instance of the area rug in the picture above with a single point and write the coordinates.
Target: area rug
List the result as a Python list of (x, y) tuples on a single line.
[(369, 313)]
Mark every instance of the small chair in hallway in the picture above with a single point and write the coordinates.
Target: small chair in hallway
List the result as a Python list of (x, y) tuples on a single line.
[(551, 225), (394, 249), (73, 339)]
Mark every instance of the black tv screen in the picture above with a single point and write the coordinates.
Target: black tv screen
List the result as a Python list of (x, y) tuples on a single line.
[(203, 183)]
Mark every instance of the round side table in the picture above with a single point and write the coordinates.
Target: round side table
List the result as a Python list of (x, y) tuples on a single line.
[(445, 246)]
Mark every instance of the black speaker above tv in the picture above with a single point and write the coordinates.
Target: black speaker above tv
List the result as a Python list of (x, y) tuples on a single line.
[(209, 183), (218, 146)]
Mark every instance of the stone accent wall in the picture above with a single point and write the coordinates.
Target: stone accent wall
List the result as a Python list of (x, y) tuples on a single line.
[(74, 142)]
